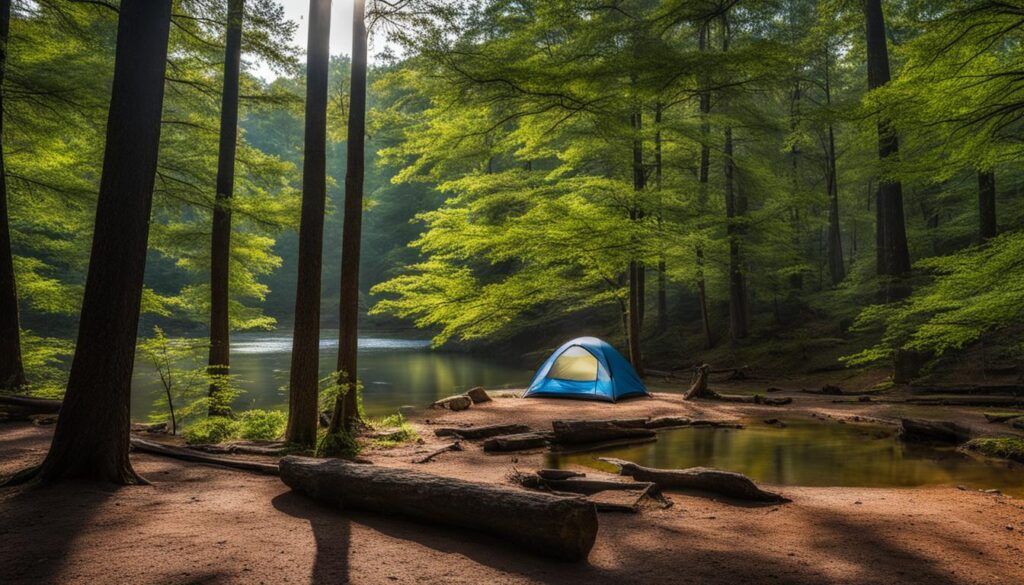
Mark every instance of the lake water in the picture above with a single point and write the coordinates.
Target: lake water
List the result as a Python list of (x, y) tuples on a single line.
[(394, 372), (808, 452)]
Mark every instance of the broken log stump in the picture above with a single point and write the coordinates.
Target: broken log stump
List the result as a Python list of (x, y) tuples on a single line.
[(478, 395), (940, 431), (564, 528), (726, 483), (482, 432), (517, 442), (575, 432)]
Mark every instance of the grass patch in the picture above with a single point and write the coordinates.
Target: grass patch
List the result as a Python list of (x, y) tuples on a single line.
[(1002, 447), (261, 425), (214, 429), (339, 444), (400, 431)]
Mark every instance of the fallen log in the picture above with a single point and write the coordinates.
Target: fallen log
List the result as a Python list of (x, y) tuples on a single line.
[(726, 483), (999, 417), (269, 448), (558, 474), (564, 528), (517, 442), (590, 447), (986, 389), (587, 486), (980, 400), (941, 431), (665, 422), (456, 446), (574, 432), (482, 432), (155, 448), (24, 407)]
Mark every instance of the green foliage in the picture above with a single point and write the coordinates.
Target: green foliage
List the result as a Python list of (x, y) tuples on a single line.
[(972, 293), (401, 432), (340, 444), (181, 372), (1002, 447), (44, 359), (263, 425), (214, 429)]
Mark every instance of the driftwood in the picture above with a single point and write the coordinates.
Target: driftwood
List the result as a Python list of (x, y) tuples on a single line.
[(587, 486), (559, 527), (155, 448), (589, 447), (726, 483), (666, 422), (24, 407), (517, 442), (456, 446), (478, 395), (266, 448), (481, 432), (914, 429), (999, 417), (575, 432), (558, 474)]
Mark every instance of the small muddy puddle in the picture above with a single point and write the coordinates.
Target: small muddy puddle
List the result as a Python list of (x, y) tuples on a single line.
[(808, 452)]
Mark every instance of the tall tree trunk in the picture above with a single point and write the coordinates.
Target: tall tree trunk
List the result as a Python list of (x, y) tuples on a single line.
[(303, 395), (894, 256), (12, 371), (662, 293), (835, 239), (346, 411), (796, 280), (987, 205), (220, 253), (735, 208), (91, 438), (703, 176), (635, 290)]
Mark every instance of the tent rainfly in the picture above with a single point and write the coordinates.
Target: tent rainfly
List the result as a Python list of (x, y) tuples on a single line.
[(586, 368)]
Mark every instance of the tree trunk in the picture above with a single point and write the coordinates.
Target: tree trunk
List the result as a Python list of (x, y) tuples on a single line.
[(12, 371), (735, 207), (346, 411), (220, 253), (894, 256), (554, 526), (635, 271), (987, 204), (796, 280), (703, 176), (91, 438), (305, 366), (835, 238), (662, 293)]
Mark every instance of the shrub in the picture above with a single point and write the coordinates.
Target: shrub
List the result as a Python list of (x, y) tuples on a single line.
[(265, 425), (403, 431), (215, 429)]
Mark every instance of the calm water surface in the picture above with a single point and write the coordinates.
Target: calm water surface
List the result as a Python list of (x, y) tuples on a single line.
[(394, 372), (813, 453)]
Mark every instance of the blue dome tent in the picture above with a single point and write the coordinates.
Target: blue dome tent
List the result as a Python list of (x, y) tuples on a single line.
[(587, 368)]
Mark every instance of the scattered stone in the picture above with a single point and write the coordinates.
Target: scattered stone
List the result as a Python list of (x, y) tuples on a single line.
[(962, 488), (1009, 527), (454, 403), (478, 395)]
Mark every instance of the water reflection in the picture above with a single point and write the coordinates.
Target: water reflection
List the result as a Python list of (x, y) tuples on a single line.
[(812, 453), (395, 372)]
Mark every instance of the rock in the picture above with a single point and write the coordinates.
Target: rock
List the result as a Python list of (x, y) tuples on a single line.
[(478, 395), (454, 403)]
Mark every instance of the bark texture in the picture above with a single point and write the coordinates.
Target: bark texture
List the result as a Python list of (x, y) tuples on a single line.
[(893, 256), (220, 252), (346, 411), (303, 383), (91, 438), (12, 370), (563, 528), (574, 432)]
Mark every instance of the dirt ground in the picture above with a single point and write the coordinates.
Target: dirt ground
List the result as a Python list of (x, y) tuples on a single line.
[(201, 524)]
